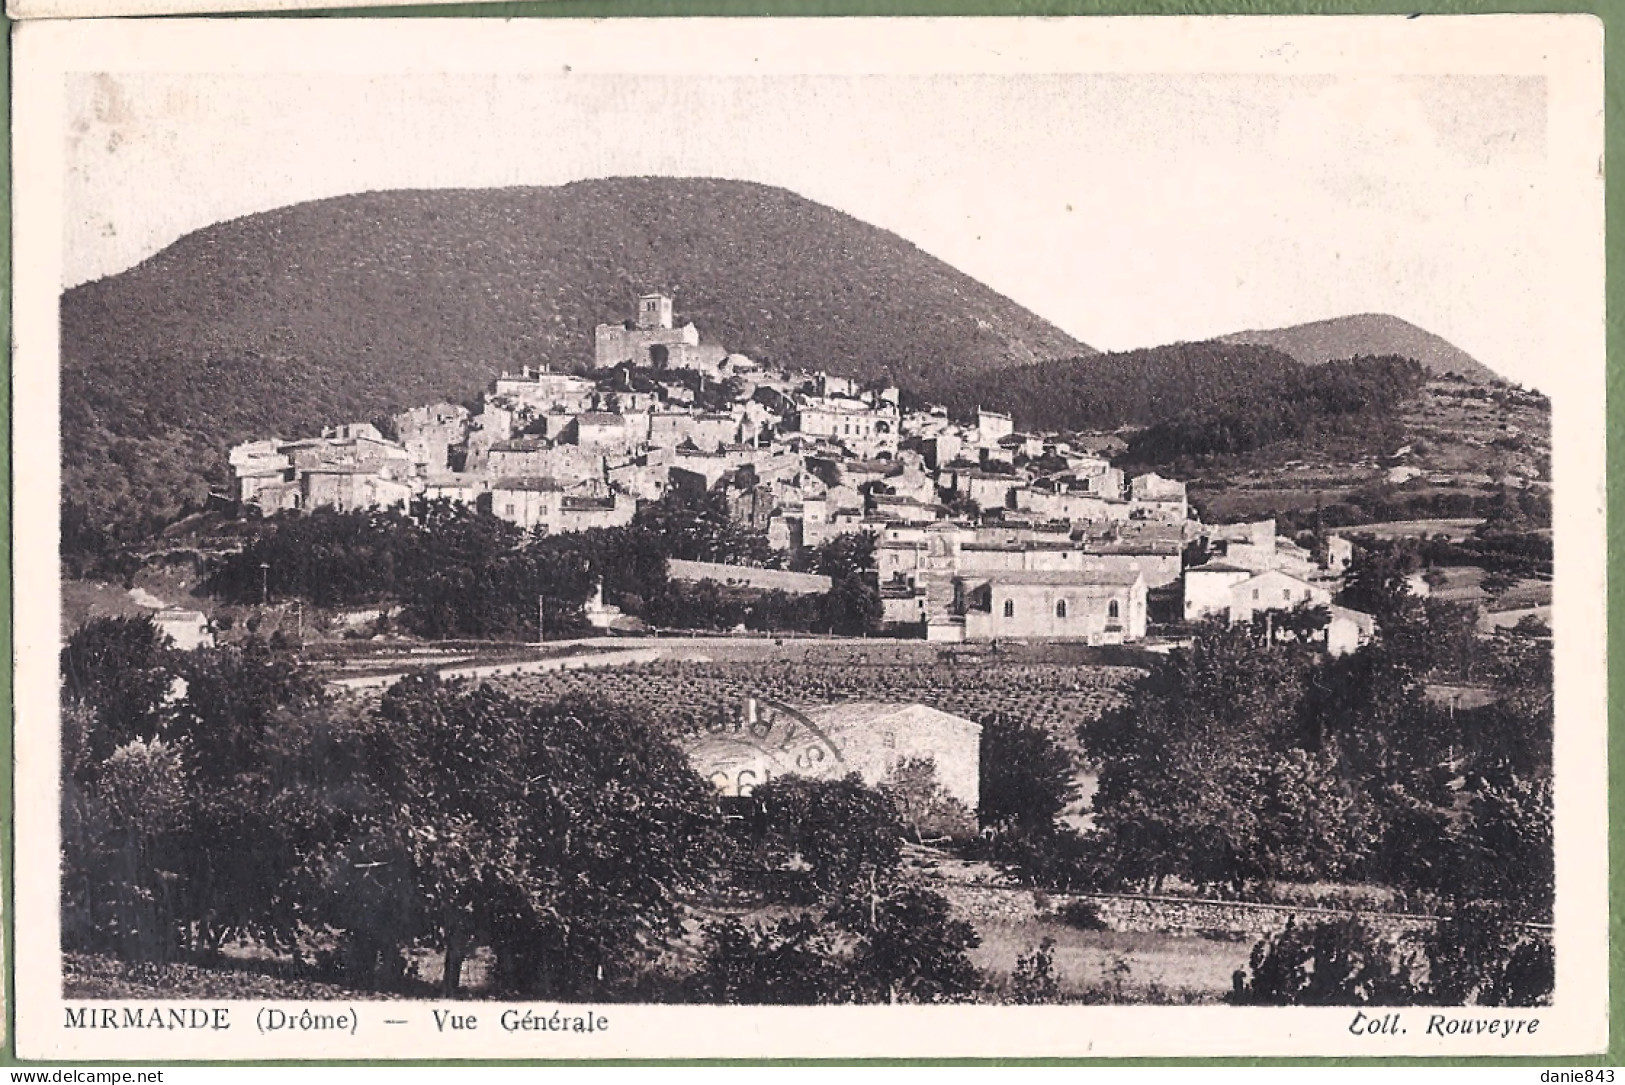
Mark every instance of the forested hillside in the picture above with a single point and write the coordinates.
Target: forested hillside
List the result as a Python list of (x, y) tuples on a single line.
[(1134, 387), (1358, 398)]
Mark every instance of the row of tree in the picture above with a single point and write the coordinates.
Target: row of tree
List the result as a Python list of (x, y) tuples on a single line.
[(461, 572), (1246, 761)]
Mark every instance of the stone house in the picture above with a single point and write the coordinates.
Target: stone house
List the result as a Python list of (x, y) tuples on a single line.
[(537, 457), (864, 430), (598, 429), (1233, 593), (1274, 590), (352, 489), (1207, 589), (545, 505), (1158, 497), (1349, 630), (541, 391), (429, 433), (992, 427)]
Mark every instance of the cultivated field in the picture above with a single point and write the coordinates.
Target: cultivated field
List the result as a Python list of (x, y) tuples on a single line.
[(682, 693)]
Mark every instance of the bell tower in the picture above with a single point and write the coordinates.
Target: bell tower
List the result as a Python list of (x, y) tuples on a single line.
[(654, 311)]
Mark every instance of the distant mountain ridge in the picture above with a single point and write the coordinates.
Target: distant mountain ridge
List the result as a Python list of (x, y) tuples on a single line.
[(1370, 335), (345, 308)]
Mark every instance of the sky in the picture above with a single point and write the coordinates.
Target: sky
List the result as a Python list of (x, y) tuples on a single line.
[(1129, 209)]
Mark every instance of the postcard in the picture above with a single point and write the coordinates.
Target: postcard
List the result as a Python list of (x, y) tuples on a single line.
[(101, 9), (813, 538)]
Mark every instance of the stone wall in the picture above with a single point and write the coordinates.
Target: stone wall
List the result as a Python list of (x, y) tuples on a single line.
[(1166, 915)]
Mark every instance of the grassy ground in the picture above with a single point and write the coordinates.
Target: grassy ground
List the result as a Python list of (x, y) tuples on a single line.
[(1464, 584), (1113, 966), (88, 600)]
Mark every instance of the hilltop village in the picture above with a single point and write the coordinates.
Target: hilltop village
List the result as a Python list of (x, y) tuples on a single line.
[(982, 532), (1004, 707)]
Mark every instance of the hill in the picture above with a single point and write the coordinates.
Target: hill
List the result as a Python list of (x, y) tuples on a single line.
[(343, 309), (1133, 387), (1368, 335)]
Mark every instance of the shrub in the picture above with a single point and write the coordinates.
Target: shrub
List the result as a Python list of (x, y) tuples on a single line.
[(1340, 963), (794, 962), (1035, 981), (1084, 915)]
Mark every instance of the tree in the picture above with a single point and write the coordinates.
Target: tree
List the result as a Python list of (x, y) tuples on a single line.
[(902, 945), (962, 506), (922, 804), (561, 834), (265, 799), (852, 606), (123, 838), (234, 698), (1304, 624), (849, 554), (1184, 763), (1509, 846), (1035, 981), (1027, 778), (1529, 976), (214, 731), (122, 669), (1312, 824), (912, 950), (1480, 955), (846, 835), (697, 527), (1376, 579)]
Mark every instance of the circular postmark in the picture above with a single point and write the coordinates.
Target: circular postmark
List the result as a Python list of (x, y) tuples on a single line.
[(759, 740)]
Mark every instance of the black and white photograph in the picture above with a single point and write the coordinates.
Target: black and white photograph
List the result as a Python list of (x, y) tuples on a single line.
[(606, 539)]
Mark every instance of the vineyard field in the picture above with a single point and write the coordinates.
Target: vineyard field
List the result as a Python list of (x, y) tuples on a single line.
[(684, 694)]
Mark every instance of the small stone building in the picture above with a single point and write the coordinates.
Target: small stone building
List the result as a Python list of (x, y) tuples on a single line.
[(829, 742), (189, 629)]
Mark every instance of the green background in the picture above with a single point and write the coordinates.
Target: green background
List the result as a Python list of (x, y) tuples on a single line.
[(1611, 12)]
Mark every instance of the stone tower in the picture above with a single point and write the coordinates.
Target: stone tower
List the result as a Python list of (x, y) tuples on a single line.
[(654, 311)]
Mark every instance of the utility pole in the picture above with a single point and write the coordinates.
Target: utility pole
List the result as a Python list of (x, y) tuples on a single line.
[(541, 618), (265, 584)]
